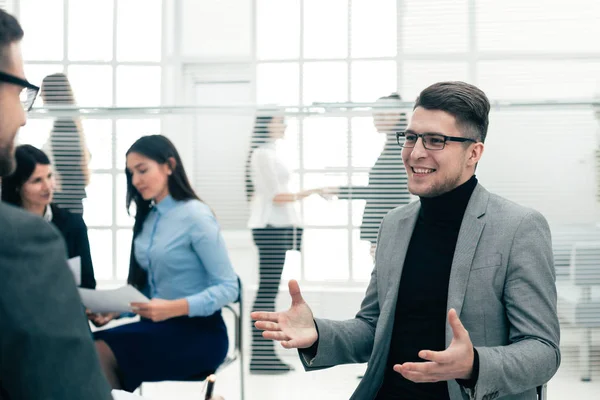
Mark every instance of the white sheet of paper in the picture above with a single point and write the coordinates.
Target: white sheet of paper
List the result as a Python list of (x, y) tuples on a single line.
[(123, 395), (75, 266), (115, 300)]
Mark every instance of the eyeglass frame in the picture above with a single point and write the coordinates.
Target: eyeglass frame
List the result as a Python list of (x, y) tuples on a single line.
[(8, 78), (422, 136)]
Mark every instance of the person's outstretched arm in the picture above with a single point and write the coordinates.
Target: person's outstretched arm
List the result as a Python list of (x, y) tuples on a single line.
[(294, 328), (322, 343), (47, 348), (265, 168)]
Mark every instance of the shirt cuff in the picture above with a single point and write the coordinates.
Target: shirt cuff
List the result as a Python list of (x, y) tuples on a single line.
[(197, 307), (471, 382)]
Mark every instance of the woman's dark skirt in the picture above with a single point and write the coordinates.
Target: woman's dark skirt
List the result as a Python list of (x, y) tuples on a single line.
[(178, 348)]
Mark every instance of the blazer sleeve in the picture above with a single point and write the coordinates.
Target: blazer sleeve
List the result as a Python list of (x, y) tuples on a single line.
[(82, 249), (533, 355), (47, 350), (350, 341)]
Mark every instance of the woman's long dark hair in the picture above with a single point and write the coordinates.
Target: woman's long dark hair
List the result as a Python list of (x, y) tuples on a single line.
[(260, 136), (160, 149), (27, 158)]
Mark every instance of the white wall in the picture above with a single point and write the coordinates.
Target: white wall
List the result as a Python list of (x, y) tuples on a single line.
[(216, 29)]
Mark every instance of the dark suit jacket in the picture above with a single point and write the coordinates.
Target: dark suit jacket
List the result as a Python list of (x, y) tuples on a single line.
[(74, 232), (46, 350)]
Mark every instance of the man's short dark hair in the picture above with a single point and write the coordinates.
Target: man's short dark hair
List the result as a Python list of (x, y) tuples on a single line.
[(467, 103), (10, 32)]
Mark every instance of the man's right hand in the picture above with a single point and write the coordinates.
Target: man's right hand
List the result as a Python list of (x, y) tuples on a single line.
[(294, 328)]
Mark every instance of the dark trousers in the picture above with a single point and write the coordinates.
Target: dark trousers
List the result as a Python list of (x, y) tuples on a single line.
[(272, 243)]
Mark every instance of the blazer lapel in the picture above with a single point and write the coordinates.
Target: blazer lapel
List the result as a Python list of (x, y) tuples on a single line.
[(468, 237), (404, 231), (390, 270)]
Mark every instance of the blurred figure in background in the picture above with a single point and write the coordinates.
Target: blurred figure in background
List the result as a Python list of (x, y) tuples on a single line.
[(31, 186), (66, 146), (387, 188), (180, 261), (275, 227)]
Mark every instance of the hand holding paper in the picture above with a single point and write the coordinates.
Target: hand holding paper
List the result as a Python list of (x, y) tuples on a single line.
[(160, 309), (109, 301), (100, 320)]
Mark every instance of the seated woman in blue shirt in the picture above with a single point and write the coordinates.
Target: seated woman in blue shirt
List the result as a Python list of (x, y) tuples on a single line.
[(31, 186), (179, 260)]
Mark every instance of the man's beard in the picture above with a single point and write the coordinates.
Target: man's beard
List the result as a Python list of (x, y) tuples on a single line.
[(7, 161)]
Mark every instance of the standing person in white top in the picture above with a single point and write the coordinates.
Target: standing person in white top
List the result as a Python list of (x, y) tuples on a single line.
[(275, 227)]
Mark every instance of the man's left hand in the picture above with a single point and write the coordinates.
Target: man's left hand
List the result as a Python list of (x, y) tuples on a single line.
[(456, 362), (159, 309)]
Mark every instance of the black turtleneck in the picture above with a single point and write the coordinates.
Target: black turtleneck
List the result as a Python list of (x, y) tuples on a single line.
[(420, 318)]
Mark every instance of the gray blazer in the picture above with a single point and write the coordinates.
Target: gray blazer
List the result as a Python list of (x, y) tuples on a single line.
[(502, 285), (46, 347)]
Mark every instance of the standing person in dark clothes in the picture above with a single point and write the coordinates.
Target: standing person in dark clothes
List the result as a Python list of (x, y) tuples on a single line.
[(387, 188), (66, 146), (462, 298)]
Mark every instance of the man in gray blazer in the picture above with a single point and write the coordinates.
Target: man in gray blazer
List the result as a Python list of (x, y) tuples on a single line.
[(462, 298), (46, 349)]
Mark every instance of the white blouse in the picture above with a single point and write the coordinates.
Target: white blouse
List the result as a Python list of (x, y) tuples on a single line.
[(270, 177)]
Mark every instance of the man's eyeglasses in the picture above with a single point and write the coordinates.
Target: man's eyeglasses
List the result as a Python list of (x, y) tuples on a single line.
[(29, 92), (431, 141)]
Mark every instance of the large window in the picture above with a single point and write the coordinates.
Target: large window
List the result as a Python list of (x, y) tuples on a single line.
[(112, 58), (311, 51)]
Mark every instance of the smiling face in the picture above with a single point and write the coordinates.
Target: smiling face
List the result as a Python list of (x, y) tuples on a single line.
[(37, 191), (149, 178), (435, 172)]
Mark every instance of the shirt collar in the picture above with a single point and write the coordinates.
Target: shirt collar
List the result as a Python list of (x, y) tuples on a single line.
[(48, 213), (165, 205)]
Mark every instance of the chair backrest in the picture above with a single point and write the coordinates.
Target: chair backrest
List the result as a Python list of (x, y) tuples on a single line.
[(236, 309)]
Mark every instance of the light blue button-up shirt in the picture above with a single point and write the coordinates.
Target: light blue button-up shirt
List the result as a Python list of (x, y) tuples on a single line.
[(182, 250)]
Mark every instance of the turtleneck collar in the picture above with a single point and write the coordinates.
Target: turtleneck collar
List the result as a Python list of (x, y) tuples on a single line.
[(448, 207)]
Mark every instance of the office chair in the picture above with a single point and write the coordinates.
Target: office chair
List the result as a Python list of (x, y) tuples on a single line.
[(542, 392)]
